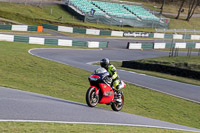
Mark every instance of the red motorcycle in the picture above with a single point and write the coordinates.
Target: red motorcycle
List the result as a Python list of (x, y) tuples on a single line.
[(100, 91)]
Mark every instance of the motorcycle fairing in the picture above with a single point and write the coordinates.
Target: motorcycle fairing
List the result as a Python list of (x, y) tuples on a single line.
[(108, 93)]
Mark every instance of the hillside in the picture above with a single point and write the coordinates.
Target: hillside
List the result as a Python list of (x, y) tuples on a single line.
[(57, 14)]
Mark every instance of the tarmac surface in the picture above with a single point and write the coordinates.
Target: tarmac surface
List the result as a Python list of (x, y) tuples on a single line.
[(16, 105), (24, 106), (83, 58)]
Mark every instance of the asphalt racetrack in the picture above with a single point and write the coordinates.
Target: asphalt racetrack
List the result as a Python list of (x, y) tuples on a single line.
[(18, 105), (83, 59)]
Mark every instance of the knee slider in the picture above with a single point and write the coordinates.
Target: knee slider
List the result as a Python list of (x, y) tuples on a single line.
[(117, 87)]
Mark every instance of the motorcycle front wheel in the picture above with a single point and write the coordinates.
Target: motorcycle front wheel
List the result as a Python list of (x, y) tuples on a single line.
[(91, 98), (118, 106)]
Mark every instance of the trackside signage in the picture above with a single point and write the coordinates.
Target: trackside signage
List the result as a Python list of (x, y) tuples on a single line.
[(136, 34)]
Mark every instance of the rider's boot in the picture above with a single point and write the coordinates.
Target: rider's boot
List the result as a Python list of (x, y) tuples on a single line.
[(118, 96)]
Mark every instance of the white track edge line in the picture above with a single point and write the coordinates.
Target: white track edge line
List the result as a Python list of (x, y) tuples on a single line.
[(90, 63), (96, 123), (128, 82)]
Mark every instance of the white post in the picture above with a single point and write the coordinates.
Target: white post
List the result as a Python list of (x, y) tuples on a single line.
[(185, 35), (51, 11), (194, 34), (164, 35)]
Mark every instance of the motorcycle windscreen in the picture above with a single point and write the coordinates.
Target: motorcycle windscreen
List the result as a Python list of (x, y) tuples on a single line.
[(108, 93)]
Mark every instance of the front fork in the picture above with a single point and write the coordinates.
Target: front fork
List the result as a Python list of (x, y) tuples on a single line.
[(96, 90)]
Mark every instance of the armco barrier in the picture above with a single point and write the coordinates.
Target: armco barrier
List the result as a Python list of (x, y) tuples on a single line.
[(20, 28), (159, 45), (162, 45), (62, 42), (93, 44), (5, 27), (9, 38), (21, 39), (134, 46), (105, 32), (92, 32), (80, 30), (197, 45), (49, 41), (64, 29), (120, 33)]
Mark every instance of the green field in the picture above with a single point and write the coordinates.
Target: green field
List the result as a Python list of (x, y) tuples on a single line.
[(20, 70), (25, 33), (186, 62), (170, 6), (185, 50), (16, 127), (37, 15)]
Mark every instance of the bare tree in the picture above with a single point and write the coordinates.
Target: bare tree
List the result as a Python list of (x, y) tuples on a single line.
[(180, 9), (162, 6), (193, 4)]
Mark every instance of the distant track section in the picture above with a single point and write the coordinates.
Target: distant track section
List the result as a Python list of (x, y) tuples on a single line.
[(80, 58)]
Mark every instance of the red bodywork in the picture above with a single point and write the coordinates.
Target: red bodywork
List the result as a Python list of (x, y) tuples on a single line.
[(107, 91)]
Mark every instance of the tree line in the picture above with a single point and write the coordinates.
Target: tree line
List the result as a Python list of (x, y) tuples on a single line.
[(191, 4)]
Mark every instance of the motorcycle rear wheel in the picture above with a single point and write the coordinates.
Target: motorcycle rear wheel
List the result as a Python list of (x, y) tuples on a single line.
[(118, 106), (91, 99)]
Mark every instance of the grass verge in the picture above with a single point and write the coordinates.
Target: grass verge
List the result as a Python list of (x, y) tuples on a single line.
[(185, 50), (16, 127), (20, 70), (53, 14), (56, 14), (186, 62), (25, 33)]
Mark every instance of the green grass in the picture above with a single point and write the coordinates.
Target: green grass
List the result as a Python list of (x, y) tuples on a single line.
[(170, 6), (16, 127), (186, 62), (185, 50), (25, 32), (20, 70), (35, 15), (182, 24)]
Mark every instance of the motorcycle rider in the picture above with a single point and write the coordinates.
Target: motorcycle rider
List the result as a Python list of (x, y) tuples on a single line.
[(105, 63)]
